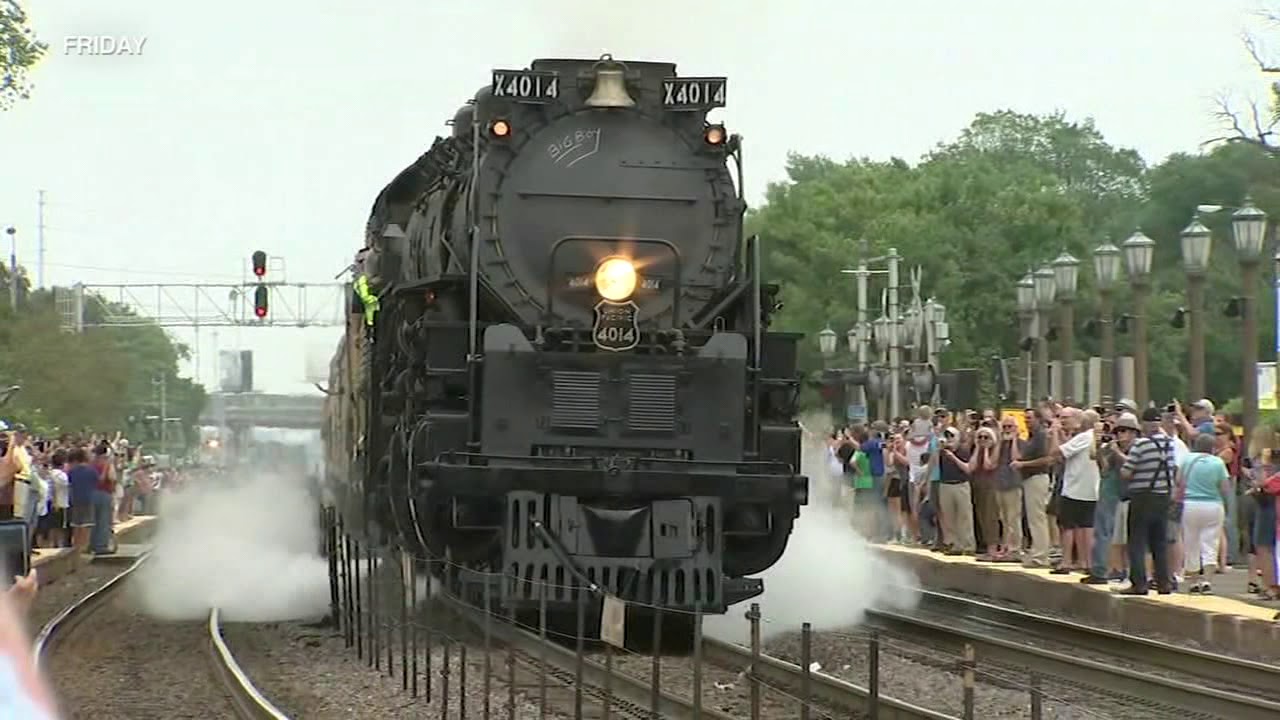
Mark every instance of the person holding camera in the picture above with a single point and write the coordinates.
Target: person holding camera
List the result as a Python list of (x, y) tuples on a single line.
[(1111, 514), (1035, 457), (1149, 476), (955, 495), (1080, 480)]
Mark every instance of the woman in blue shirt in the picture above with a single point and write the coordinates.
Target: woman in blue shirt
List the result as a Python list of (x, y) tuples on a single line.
[(1205, 485)]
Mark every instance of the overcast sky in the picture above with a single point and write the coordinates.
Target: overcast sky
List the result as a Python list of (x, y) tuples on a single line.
[(272, 125)]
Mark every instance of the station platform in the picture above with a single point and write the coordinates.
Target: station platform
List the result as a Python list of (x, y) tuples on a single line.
[(53, 563), (1228, 620)]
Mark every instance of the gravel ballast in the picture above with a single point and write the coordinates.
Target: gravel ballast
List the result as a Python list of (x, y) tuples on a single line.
[(119, 663)]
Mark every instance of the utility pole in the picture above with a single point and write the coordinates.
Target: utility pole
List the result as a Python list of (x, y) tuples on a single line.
[(40, 239), (159, 383), (12, 232), (895, 324)]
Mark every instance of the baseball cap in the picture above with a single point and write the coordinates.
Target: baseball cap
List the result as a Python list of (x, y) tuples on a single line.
[(1128, 421), (1203, 404), (1125, 405), (1152, 415)]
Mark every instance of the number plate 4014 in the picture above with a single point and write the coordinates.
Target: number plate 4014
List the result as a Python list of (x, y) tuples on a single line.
[(617, 326), (701, 93)]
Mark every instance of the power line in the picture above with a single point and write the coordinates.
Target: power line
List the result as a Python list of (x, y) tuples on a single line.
[(137, 271)]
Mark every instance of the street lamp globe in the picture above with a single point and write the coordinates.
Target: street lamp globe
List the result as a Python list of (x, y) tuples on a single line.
[(1045, 289), (851, 337), (911, 324), (1138, 251), (1026, 294), (1106, 265), (827, 341), (1066, 273), (1249, 227), (880, 333), (1196, 244)]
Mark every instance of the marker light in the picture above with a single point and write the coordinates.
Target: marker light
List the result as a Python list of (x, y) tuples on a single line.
[(500, 128), (714, 135), (616, 279)]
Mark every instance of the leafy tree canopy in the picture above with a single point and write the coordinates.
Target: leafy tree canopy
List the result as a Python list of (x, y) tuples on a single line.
[(1011, 193), (20, 52), (95, 380)]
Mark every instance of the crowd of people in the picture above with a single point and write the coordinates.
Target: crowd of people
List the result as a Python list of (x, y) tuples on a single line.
[(1146, 499), (71, 490)]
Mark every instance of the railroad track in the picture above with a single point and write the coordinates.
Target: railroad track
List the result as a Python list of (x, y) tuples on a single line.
[(634, 697), (823, 689), (234, 684), (1093, 658), (630, 697)]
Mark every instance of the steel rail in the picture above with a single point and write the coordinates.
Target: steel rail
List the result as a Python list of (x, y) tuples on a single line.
[(826, 690), (624, 687), (249, 703), (1108, 677), (62, 624), (1230, 671)]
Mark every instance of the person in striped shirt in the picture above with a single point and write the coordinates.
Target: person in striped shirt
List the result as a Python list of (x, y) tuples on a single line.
[(1148, 474)]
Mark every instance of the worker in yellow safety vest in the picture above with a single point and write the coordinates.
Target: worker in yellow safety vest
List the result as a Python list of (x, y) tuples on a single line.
[(367, 298)]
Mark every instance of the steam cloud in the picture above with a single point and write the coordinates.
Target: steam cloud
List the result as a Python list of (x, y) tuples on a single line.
[(248, 547), (829, 576)]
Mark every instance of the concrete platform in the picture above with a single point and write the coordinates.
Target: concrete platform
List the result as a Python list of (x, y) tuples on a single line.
[(53, 563), (1224, 623)]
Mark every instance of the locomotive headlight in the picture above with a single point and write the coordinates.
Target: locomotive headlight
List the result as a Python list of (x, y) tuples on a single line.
[(714, 134), (500, 128), (616, 279)]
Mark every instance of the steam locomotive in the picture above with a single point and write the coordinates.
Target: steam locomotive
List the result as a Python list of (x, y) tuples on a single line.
[(561, 375)]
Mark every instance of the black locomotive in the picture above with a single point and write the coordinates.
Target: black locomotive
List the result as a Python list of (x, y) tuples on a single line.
[(567, 378)]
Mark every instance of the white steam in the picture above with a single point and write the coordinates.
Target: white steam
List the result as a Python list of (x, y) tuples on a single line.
[(829, 576), (246, 543)]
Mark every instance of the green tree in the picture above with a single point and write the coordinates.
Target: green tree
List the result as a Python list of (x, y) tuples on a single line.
[(96, 379), (1010, 193), (21, 51)]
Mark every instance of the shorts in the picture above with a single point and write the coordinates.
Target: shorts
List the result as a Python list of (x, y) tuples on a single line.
[(894, 489), (1121, 535), (1264, 526), (1075, 514), (80, 515), (55, 519)]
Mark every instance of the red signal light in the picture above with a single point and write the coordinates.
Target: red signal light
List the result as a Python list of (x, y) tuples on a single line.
[(260, 296), (260, 263)]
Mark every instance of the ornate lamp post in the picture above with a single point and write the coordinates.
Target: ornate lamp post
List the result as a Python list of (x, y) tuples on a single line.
[(1249, 229), (827, 343), (1106, 270), (1196, 245), (1276, 289), (1026, 289), (1066, 273), (1045, 290), (1138, 251), (935, 319), (881, 344)]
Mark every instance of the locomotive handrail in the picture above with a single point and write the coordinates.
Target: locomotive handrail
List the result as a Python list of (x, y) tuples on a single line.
[(675, 255), (750, 465)]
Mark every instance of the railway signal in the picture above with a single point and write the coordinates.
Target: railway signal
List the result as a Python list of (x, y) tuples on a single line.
[(260, 264), (260, 295)]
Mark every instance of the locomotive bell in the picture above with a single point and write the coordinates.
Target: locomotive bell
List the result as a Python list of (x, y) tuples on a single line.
[(611, 86)]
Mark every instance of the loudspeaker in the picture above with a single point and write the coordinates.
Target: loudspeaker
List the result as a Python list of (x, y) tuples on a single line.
[(959, 389)]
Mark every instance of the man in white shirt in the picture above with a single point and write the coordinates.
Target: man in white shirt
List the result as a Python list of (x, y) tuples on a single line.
[(1080, 479)]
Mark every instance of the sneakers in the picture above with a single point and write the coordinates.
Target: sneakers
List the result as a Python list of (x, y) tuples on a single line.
[(1093, 580), (1201, 587)]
